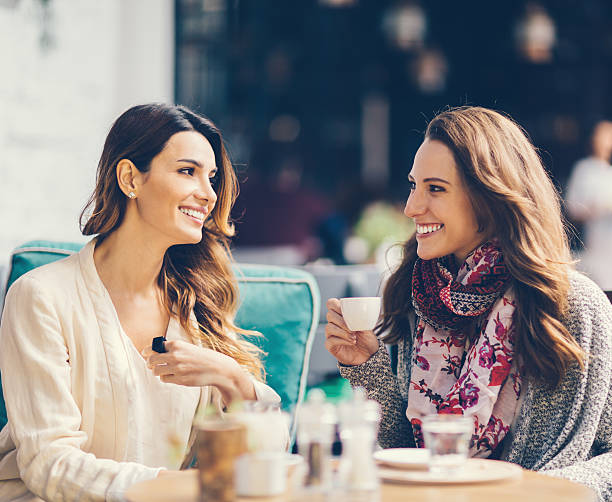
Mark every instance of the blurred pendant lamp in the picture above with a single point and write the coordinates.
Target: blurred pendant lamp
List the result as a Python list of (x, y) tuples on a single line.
[(536, 35), (405, 25)]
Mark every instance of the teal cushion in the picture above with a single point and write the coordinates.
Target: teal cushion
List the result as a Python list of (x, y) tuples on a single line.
[(281, 303), (36, 253)]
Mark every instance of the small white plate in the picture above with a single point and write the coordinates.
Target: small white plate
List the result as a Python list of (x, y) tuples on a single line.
[(475, 470), (404, 458)]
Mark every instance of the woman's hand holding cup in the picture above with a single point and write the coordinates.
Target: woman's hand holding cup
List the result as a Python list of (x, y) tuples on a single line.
[(352, 347)]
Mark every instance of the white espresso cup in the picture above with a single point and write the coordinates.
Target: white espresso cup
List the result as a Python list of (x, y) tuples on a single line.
[(360, 313)]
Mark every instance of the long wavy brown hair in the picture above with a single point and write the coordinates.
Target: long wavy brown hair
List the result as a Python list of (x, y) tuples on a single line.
[(194, 277), (514, 200)]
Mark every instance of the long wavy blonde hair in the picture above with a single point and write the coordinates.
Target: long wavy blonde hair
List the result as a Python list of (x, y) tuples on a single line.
[(194, 277), (514, 200)]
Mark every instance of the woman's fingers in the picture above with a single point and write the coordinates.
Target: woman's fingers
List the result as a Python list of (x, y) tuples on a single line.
[(162, 369), (188, 364), (334, 304), (228, 389), (337, 319), (172, 355), (333, 330), (334, 313), (334, 309), (153, 360), (335, 341), (178, 373)]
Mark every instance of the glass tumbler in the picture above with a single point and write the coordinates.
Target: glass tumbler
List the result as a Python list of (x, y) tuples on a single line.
[(447, 437)]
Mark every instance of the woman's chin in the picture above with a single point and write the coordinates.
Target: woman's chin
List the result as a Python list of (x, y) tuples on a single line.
[(188, 238), (427, 254)]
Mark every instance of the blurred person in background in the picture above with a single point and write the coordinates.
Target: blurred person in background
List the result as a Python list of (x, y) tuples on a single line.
[(92, 409), (281, 215), (488, 315), (589, 202)]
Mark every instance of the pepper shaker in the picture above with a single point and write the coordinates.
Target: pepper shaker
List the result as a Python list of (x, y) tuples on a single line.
[(316, 428)]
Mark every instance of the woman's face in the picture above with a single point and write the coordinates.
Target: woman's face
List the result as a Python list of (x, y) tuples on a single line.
[(176, 196), (440, 206)]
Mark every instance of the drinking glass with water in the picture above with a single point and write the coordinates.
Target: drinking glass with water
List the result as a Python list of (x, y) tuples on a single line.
[(448, 439)]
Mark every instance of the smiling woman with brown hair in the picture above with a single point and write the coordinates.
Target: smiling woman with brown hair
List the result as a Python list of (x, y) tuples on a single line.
[(490, 319), (91, 407)]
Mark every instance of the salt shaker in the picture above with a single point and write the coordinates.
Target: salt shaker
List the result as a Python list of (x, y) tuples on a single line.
[(357, 473), (316, 428)]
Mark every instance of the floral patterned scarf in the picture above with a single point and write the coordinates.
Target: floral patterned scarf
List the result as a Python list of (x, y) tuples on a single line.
[(452, 370)]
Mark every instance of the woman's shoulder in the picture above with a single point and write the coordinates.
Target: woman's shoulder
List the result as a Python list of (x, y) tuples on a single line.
[(589, 313), (51, 277), (584, 291)]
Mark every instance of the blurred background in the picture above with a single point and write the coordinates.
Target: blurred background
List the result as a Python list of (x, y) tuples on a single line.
[(322, 102)]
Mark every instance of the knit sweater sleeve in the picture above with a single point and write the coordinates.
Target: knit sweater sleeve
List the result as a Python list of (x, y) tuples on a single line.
[(376, 377), (596, 473), (595, 470)]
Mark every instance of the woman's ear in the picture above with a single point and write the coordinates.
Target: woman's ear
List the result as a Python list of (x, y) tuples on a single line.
[(127, 177)]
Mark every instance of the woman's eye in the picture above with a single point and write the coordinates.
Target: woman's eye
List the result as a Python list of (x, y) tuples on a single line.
[(411, 186), (186, 170), (436, 188)]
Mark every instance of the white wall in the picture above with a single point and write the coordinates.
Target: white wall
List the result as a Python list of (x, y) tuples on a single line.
[(145, 70), (57, 102)]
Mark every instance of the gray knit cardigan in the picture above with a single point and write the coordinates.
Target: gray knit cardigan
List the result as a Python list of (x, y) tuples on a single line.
[(564, 432)]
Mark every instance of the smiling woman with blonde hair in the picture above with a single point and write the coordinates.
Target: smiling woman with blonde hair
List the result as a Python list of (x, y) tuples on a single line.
[(490, 318), (92, 408)]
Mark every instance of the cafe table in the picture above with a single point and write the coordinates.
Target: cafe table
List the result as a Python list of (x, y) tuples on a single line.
[(183, 487)]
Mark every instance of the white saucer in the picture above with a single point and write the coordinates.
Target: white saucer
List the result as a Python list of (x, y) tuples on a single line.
[(404, 458), (475, 470)]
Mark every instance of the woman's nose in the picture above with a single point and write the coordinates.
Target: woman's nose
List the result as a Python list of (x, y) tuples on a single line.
[(414, 205), (206, 192)]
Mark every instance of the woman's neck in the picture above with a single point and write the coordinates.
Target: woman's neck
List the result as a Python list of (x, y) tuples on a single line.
[(129, 261)]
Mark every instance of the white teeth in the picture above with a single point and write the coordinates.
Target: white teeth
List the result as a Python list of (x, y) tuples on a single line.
[(192, 212), (426, 229)]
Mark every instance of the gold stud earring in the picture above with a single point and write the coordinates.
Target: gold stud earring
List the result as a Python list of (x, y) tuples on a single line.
[(131, 195)]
